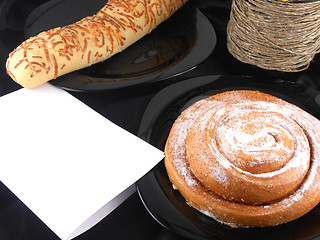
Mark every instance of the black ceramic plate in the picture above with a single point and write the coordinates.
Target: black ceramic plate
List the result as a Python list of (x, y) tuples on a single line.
[(175, 47), (166, 205)]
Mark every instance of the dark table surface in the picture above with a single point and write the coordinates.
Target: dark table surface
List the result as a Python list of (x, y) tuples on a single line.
[(124, 107)]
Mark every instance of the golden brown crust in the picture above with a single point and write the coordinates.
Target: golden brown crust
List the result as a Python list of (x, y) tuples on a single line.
[(93, 39), (246, 158)]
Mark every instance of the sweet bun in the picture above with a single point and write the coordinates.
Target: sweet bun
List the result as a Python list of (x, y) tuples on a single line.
[(246, 158)]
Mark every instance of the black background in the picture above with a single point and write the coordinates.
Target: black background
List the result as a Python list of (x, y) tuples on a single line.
[(124, 107)]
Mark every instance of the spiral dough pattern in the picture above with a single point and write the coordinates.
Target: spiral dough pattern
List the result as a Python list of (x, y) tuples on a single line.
[(246, 158)]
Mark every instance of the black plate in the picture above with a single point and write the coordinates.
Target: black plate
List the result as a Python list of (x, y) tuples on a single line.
[(178, 45), (166, 205)]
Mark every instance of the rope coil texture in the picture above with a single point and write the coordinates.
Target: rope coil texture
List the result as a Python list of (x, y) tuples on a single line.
[(274, 35)]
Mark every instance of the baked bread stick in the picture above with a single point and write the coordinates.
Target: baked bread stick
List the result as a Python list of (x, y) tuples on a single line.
[(59, 51)]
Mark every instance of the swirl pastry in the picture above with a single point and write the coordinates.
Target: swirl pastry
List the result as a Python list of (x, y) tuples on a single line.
[(246, 159), (93, 39)]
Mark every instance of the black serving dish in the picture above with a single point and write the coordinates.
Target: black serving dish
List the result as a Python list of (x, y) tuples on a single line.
[(175, 47), (166, 205)]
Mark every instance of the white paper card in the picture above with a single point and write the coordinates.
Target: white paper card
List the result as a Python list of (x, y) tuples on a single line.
[(65, 161)]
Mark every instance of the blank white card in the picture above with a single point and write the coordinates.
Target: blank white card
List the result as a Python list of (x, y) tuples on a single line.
[(65, 161)]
